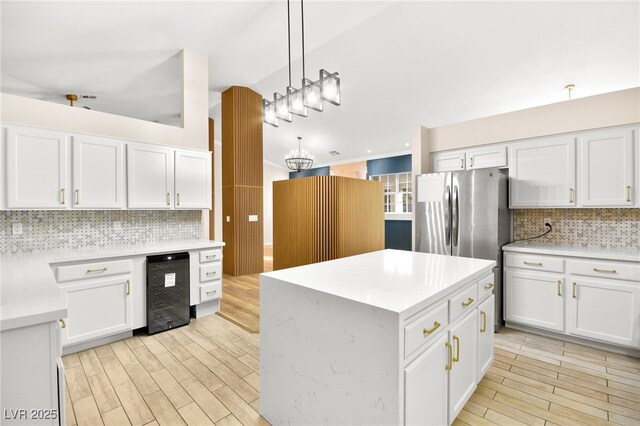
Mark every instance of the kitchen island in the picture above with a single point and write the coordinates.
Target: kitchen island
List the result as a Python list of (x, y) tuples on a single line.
[(389, 337)]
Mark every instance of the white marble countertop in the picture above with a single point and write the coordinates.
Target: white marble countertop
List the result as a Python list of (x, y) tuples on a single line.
[(28, 290), (394, 280), (626, 254)]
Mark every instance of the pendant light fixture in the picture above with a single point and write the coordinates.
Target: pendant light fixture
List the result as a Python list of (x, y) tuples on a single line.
[(299, 160), (311, 94)]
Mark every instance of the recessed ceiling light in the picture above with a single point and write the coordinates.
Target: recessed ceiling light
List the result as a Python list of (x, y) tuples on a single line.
[(368, 151), (406, 144)]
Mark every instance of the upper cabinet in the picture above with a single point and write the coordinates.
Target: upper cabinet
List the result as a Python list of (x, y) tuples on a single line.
[(448, 161), (542, 173), (477, 158), (193, 179), (149, 176), (605, 168), (98, 173), (37, 169)]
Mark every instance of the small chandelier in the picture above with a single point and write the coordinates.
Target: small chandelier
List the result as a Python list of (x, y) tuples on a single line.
[(299, 159), (311, 94)]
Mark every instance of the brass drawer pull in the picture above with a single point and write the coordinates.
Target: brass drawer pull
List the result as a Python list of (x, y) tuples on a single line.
[(77, 196), (450, 357), (212, 292), (574, 291), (571, 195), (488, 286), (62, 197), (559, 288), (62, 323), (178, 197), (128, 288), (213, 256), (436, 325), (462, 163), (211, 273), (468, 302), (456, 340), (168, 199), (91, 271), (483, 314), (628, 194), (532, 263), (605, 271)]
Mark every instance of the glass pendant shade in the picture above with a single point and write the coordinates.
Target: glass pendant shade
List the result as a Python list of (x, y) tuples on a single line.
[(330, 84), (282, 107), (312, 94), (269, 113), (296, 102)]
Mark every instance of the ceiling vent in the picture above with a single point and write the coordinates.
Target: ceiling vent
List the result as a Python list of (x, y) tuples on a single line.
[(334, 153)]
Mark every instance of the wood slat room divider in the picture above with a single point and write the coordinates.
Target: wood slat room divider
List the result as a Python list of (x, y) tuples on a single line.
[(325, 217), (242, 181)]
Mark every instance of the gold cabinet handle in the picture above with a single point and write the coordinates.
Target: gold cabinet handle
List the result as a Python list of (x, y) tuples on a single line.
[(559, 287), (168, 199), (574, 291), (456, 340), (178, 198), (91, 271), (628, 194), (213, 256), (571, 195), (128, 287), (605, 271), (471, 165), (436, 325), (449, 365), (483, 314), (532, 263), (211, 292), (211, 273), (468, 302), (62, 323), (488, 286), (462, 163), (62, 197), (77, 196)]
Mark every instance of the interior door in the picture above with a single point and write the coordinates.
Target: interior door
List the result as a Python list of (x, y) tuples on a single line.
[(433, 213), (193, 179)]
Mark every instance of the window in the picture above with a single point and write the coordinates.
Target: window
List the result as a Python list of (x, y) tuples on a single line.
[(397, 192)]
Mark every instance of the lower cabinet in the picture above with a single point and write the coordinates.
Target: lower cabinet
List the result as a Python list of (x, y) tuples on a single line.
[(96, 308), (605, 310), (535, 298), (464, 363), (485, 335), (426, 386)]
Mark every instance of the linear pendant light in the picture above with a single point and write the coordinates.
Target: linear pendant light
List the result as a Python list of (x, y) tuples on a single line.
[(311, 95)]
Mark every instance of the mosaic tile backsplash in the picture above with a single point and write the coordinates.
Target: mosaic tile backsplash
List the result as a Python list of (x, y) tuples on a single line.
[(602, 228), (53, 230)]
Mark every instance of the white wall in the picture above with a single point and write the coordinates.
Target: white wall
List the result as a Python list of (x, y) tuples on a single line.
[(217, 190), (271, 173)]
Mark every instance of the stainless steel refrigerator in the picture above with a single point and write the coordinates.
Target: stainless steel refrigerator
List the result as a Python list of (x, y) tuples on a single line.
[(465, 214)]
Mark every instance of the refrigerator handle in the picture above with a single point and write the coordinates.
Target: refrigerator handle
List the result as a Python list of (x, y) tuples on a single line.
[(455, 217), (447, 221)]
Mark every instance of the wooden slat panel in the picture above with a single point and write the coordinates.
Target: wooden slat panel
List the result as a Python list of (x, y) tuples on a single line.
[(325, 217), (212, 148)]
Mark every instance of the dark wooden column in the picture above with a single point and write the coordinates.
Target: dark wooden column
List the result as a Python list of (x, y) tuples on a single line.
[(242, 181)]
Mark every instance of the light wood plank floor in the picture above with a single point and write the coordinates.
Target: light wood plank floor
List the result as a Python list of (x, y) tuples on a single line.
[(208, 372)]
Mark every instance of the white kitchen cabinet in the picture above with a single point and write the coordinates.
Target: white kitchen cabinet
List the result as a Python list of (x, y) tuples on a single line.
[(605, 310), (542, 173), (605, 168), (426, 386), (482, 158), (192, 179), (96, 308), (98, 173), (448, 161), (150, 179), (37, 173), (463, 374), (485, 335), (535, 298), (636, 151)]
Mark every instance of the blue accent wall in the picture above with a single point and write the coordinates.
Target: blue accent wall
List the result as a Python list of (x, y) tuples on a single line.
[(397, 234), (384, 166), (318, 171)]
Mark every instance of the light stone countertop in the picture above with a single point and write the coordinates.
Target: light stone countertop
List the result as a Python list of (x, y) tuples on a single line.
[(29, 293), (631, 254), (394, 280)]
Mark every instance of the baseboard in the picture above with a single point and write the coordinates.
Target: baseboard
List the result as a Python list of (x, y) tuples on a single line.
[(573, 339), (98, 342)]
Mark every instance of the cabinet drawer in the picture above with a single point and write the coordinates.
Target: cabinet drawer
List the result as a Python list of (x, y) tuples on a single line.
[(210, 255), (534, 261), (92, 270), (463, 302), (606, 269), (485, 286), (210, 272), (424, 329), (210, 292)]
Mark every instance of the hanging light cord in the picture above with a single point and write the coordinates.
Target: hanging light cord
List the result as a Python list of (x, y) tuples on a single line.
[(289, 38), (304, 75)]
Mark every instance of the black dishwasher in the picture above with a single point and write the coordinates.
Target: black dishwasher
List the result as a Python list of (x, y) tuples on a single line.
[(167, 291)]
